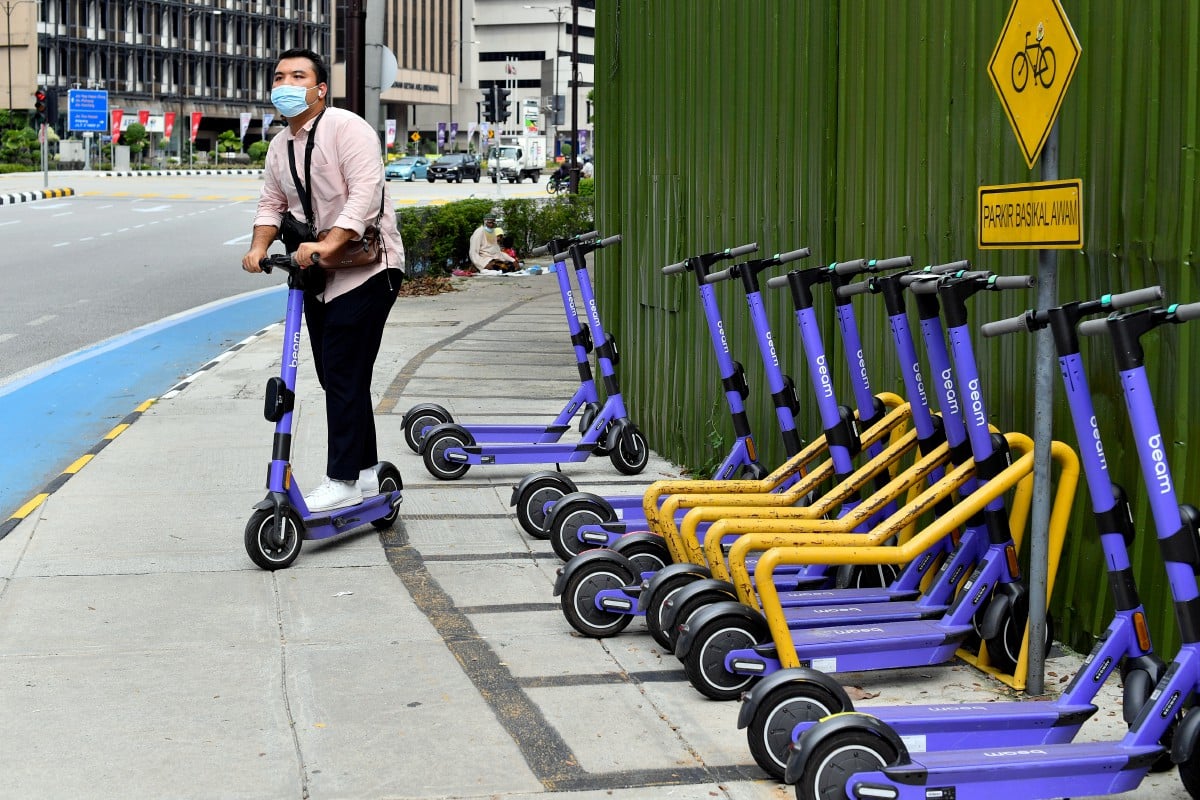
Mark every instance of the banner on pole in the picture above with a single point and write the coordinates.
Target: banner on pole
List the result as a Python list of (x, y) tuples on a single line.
[(117, 115), (144, 117), (196, 117), (441, 135), (389, 133), (268, 118), (244, 118), (471, 132), (453, 135), (168, 124)]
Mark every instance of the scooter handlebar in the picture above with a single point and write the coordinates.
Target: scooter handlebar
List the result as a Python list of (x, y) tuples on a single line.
[(777, 281), (889, 263), (850, 267), (1001, 327), (851, 289), (717, 277), (792, 255), (950, 266), (1093, 327), (1150, 294), (611, 240), (1001, 282), (674, 269), (742, 250), (1188, 312)]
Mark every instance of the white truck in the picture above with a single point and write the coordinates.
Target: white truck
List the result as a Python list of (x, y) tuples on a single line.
[(516, 159)]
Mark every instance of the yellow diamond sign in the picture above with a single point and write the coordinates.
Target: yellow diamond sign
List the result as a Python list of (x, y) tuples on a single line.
[(1031, 67)]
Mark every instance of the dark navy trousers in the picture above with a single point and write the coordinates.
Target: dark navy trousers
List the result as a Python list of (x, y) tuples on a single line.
[(345, 334)]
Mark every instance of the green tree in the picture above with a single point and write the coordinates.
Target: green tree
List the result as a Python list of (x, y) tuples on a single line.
[(228, 142), (257, 150), (135, 137), (19, 146)]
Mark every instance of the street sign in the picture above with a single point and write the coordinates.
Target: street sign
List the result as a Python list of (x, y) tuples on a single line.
[(87, 110), (416, 137), (1031, 67), (1026, 216)]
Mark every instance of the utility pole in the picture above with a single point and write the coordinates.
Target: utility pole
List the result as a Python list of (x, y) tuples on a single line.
[(356, 37), (574, 96)]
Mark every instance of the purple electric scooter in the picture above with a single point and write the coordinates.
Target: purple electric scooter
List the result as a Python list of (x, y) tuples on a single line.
[(856, 755), (450, 449), (281, 521), (537, 494), (720, 645), (422, 417), (583, 521), (797, 698)]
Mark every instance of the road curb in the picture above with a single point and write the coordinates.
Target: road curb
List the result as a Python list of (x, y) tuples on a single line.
[(28, 197), (172, 173)]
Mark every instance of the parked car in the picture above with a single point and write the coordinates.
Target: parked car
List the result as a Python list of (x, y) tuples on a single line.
[(407, 168), (455, 167)]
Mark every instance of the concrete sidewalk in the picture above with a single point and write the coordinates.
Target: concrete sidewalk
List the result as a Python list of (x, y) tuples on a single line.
[(143, 655)]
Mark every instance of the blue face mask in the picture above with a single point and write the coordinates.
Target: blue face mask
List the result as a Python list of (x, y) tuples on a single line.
[(290, 101)]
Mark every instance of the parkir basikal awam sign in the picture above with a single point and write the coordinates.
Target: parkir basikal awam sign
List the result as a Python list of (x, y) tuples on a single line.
[(1020, 216), (1031, 67)]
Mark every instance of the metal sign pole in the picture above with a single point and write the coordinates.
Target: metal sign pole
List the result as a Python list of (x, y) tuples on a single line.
[(1043, 432)]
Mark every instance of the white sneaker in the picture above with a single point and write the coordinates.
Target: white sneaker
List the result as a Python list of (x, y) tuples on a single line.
[(333, 494), (368, 482)]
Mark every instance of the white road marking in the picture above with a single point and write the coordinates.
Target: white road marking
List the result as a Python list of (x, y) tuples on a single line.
[(4, 337), (41, 320), (149, 209), (240, 239), (62, 244)]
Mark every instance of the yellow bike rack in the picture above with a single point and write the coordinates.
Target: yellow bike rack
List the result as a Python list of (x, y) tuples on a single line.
[(798, 464), (817, 548)]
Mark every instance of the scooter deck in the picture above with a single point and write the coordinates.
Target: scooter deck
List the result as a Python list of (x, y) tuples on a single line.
[(1040, 771), (516, 434), (851, 648), (324, 524), (972, 725), (851, 612)]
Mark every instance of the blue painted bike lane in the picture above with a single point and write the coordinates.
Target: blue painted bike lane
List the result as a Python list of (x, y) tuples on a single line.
[(60, 412)]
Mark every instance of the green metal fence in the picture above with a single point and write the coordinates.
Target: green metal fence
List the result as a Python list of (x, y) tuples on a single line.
[(864, 128)]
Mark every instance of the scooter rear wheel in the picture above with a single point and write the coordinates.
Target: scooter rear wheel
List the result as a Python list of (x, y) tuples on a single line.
[(579, 600), (268, 551), (704, 663), (419, 419), (661, 590), (770, 731), (531, 505), (435, 447), (389, 481), (631, 454), (564, 530), (837, 758)]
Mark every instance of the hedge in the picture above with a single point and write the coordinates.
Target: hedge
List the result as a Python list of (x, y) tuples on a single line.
[(436, 238)]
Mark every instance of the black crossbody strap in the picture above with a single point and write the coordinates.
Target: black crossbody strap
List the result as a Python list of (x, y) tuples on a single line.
[(302, 188)]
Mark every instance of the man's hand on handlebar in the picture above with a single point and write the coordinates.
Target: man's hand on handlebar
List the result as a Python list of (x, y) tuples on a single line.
[(253, 258)]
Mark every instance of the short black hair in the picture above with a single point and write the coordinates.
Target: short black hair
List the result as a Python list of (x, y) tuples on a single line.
[(317, 62)]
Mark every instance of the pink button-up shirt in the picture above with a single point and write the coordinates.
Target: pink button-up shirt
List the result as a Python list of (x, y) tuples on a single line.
[(347, 187)]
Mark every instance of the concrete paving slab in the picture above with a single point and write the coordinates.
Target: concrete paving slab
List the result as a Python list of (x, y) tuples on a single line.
[(76, 615), (190, 722), (355, 606)]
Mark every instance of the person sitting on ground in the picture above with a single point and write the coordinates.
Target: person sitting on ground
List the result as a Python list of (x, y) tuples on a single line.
[(506, 247), (485, 250)]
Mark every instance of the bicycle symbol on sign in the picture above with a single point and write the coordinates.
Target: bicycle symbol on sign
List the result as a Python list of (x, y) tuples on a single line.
[(1040, 63)]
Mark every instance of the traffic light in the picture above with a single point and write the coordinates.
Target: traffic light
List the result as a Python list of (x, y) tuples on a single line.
[(489, 104), (502, 113), (39, 106), (51, 108)]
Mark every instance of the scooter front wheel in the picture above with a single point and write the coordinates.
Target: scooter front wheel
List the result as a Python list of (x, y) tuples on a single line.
[(268, 548), (389, 481), (434, 453), (631, 454), (661, 589), (770, 731)]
